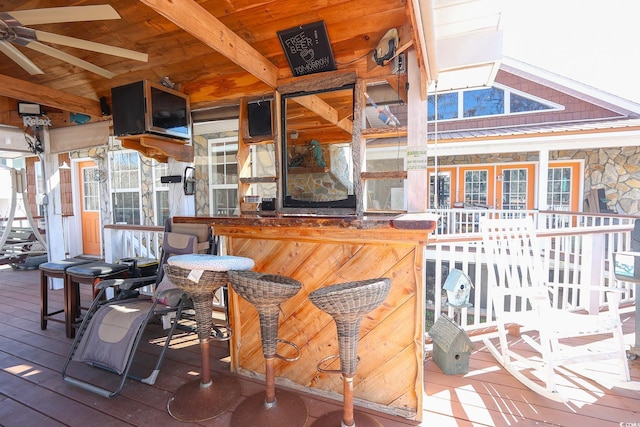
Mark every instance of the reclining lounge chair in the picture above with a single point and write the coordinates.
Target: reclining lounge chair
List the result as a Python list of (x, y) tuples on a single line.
[(110, 332)]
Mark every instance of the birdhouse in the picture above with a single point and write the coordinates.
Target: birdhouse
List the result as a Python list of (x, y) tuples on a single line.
[(458, 286), (451, 346)]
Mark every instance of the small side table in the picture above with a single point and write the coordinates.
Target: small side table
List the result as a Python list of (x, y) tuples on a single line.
[(54, 270), (86, 274)]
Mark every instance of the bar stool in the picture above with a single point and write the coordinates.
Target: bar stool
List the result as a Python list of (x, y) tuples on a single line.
[(55, 270), (271, 408), (199, 276), (347, 303), (86, 274)]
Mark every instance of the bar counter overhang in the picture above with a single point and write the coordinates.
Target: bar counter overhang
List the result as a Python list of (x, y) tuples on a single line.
[(321, 251)]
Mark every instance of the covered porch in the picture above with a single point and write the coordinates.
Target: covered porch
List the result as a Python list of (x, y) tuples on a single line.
[(32, 391)]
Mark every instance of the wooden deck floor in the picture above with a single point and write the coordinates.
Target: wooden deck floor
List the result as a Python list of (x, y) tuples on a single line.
[(32, 391)]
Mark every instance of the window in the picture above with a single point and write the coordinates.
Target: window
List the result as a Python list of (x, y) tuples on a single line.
[(161, 192), (483, 102), (447, 106), (559, 188), (444, 190), (476, 186), (387, 193), (125, 187), (223, 176), (496, 100), (514, 189), (40, 190), (90, 190), (520, 104)]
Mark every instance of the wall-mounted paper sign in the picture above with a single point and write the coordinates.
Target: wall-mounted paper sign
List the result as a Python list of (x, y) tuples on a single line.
[(416, 158), (307, 49)]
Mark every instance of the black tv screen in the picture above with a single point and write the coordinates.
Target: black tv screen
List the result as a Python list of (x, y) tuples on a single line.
[(146, 107)]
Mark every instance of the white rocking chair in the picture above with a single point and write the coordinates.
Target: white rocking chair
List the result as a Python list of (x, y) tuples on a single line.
[(521, 296)]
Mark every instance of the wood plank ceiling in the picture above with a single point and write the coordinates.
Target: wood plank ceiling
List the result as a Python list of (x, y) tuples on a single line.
[(240, 35)]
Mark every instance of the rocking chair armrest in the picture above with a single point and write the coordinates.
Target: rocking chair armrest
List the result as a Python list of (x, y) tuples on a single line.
[(581, 287), (522, 292), (126, 284)]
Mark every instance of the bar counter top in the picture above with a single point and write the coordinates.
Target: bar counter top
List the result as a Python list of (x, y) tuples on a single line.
[(409, 221), (412, 228), (322, 251)]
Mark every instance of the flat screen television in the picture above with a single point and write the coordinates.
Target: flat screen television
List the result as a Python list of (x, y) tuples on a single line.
[(147, 107)]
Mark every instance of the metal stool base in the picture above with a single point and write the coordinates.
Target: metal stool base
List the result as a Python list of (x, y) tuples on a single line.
[(289, 410), (193, 403), (333, 419)]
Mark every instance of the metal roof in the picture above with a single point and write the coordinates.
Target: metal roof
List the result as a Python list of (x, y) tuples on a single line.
[(540, 129)]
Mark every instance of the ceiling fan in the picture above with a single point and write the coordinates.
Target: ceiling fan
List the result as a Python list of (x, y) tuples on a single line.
[(13, 30)]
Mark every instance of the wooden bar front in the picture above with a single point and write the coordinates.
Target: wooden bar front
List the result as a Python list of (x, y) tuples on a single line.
[(321, 252)]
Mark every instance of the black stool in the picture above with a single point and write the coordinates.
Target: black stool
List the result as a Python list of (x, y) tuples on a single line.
[(347, 303), (86, 274), (55, 270)]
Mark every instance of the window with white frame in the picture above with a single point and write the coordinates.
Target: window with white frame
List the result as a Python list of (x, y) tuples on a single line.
[(559, 188), (443, 191), (476, 186), (40, 190), (388, 193), (125, 187), (495, 100), (161, 193), (90, 190), (514, 188), (223, 176)]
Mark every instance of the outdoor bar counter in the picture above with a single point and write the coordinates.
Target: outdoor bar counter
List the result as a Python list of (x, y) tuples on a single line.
[(319, 252)]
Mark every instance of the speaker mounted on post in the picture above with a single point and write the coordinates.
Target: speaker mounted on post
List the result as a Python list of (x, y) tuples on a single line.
[(260, 118)]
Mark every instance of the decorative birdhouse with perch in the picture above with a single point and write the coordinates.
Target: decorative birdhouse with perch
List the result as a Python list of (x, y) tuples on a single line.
[(458, 286)]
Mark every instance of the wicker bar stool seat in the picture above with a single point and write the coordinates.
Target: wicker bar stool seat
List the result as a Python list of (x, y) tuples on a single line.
[(199, 276), (271, 408), (347, 303)]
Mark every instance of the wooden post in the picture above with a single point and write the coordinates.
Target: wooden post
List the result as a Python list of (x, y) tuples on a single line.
[(417, 180)]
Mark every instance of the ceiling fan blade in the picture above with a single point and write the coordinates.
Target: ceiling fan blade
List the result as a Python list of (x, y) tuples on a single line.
[(19, 58), (64, 14), (92, 46), (48, 50)]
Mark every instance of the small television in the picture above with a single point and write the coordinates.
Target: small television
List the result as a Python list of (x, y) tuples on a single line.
[(147, 107)]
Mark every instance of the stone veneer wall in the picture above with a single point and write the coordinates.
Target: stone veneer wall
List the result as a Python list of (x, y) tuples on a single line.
[(617, 170), (315, 187)]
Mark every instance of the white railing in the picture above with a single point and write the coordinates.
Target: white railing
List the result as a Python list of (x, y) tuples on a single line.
[(577, 249), (131, 241)]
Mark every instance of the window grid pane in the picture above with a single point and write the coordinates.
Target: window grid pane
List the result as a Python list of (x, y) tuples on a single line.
[(514, 189), (223, 185), (475, 186), (559, 188), (90, 198)]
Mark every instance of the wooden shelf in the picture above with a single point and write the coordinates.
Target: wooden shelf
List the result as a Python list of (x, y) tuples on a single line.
[(158, 147), (297, 170)]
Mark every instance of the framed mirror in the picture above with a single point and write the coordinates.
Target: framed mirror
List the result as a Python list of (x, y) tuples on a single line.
[(317, 157)]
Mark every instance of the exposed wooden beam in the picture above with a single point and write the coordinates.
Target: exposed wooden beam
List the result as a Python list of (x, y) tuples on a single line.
[(197, 21), (31, 92), (324, 110)]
